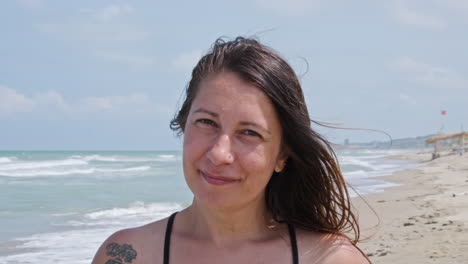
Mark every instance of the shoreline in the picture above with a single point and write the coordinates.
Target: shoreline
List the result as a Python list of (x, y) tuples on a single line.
[(424, 219), (421, 220)]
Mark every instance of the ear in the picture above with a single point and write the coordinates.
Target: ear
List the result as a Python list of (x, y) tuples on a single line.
[(281, 163)]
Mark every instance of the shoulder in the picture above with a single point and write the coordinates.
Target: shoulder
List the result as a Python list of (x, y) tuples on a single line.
[(121, 244), (142, 244), (328, 249), (343, 251)]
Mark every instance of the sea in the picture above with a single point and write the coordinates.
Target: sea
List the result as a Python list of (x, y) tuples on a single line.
[(59, 206)]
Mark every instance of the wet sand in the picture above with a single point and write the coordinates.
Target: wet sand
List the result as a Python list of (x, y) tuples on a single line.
[(424, 219)]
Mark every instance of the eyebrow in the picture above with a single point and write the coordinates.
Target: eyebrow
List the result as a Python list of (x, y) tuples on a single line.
[(202, 110), (243, 123)]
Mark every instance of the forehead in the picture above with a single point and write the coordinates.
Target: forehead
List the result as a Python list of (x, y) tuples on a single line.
[(227, 90), (232, 98)]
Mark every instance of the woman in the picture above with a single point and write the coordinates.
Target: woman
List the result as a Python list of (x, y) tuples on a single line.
[(267, 188)]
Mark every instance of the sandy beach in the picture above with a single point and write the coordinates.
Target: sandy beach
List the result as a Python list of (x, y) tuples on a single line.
[(424, 219)]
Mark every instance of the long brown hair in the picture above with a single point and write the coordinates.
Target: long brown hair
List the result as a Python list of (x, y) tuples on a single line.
[(310, 192)]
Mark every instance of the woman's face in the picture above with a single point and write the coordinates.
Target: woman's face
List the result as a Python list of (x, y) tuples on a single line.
[(232, 143)]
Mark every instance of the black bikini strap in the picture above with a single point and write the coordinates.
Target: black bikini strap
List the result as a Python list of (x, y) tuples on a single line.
[(292, 236), (170, 223), (167, 238)]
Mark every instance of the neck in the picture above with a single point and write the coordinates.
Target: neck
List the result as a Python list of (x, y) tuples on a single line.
[(226, 226)]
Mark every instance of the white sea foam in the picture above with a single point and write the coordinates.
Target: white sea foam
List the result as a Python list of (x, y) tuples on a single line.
[(65, 214), (374, 188), (114, 158), (64, 172), (347, 160), (135, 209), (354, 174), (73, 247), (135, 214), (139, 168), (371, 170), (166, 156), (35, 173), (42, 164), (79, 245), (100, 158), (5, 160)]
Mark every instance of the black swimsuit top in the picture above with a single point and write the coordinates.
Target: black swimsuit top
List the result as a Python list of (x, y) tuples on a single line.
[(167, 241)]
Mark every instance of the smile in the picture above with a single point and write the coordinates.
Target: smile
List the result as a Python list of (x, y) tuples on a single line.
[(216, 180)]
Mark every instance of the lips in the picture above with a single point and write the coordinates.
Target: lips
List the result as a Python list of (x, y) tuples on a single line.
[(216, 179)]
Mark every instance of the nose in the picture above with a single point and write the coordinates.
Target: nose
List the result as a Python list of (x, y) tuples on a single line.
[(221, 151)]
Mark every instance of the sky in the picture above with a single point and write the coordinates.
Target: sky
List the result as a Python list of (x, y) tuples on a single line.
[(110, 75)]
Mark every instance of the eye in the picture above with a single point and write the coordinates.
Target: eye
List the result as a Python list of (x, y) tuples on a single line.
[(249, 132), (206, 122)]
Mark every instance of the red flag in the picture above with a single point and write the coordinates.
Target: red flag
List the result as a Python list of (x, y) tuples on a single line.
[(444, 112)]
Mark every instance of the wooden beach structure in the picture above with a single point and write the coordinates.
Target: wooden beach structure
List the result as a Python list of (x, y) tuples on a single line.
[(459, 142)]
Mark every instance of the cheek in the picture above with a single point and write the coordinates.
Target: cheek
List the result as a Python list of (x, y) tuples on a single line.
[(192, 151), (259, 164), (261, 157), (194, 146)]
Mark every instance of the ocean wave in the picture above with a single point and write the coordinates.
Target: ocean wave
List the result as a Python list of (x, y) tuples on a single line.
[(372, 157), (6, 159), (373, 188), (167, 156), (346, 160), (34, 173), (101, 158), (139, 168), (58, 247), (356, 172), (158, 158), (84, 171), (134, 209), (65, 214), (356, 175), (42, 164), (94, 228)]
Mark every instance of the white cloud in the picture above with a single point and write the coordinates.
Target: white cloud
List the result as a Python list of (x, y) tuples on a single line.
[(12, 101), (461, 5), (429, 14), (109, 33), (132, 60), (429, 75), (419, 19), (50, 99), (288, 7), (31, 3), (95, 33), (404, 97), (186, 61), (113, 11), (408, 100), (136, 102)]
